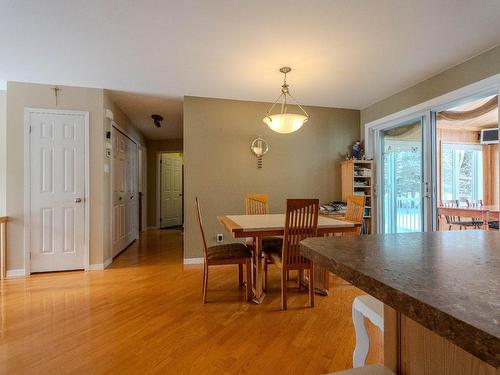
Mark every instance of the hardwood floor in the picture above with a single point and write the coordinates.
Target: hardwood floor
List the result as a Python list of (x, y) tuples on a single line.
[(144, 315)]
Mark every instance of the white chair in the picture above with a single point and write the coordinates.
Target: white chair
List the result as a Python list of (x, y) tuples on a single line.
[(367, 370), (371, 308)]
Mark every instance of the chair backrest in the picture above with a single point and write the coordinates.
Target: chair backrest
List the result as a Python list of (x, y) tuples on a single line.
[(257, 204), (451, 203), (200, 222), (478, 203), (301, 222), (355, 208)]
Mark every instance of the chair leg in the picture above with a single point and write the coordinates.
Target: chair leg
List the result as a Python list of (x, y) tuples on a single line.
[(362, 339), (311, 286), (284, 273), (240, 275), (300, 279), (248, 267), (265, 274), (205, 283)]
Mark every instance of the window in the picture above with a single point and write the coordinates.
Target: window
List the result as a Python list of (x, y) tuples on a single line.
[(461, 171)]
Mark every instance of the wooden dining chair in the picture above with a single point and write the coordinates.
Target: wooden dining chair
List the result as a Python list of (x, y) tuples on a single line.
[(355, 210), (258, 204), (301, 221), (231, 253), (451, 220)]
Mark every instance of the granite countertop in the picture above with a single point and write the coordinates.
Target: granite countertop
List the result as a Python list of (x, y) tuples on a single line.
[(447, 281)]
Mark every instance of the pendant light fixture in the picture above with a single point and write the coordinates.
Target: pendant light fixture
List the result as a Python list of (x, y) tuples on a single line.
[(284, 122)]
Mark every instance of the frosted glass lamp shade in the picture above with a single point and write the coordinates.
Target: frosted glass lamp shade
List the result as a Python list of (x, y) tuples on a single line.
[(285, 122)]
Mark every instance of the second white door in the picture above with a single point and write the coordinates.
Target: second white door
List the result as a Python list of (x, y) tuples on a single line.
[(170, 190), (125, 213)]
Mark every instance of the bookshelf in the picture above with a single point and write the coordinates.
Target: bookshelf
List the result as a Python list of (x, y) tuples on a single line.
[(357, 178)]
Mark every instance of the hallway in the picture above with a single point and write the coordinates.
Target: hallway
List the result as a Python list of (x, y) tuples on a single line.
[(149, 304)]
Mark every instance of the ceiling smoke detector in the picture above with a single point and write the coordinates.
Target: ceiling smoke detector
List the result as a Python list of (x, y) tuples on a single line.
[(157, 119)]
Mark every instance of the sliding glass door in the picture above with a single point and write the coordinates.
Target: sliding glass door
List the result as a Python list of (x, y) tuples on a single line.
[(402, 178)]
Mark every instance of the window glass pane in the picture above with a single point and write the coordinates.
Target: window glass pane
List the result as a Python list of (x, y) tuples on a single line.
[(462, 172)]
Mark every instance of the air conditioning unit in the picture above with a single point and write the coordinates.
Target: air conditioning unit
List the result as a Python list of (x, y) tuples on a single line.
[(489, 136)]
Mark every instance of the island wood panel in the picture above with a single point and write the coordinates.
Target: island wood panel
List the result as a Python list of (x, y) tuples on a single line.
[(412, 349)]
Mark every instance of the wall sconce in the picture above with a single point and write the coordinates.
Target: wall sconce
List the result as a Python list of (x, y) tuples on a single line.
[(259, 148)]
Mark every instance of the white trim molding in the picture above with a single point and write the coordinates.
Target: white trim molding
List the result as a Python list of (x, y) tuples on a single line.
[(96, 267), (16, 273), (194, 260), (107, 262)]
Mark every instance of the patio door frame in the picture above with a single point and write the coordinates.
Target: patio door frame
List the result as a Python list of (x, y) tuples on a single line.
[(427, 110), (428, 172)]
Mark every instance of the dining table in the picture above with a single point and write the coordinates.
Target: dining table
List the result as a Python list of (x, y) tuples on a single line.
[(269, 225), (483, 213)]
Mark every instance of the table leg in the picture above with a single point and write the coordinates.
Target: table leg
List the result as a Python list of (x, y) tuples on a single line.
[(321, 281), (259, 273)]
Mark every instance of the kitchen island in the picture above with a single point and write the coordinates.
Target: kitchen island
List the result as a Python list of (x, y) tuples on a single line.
[(441, 292)]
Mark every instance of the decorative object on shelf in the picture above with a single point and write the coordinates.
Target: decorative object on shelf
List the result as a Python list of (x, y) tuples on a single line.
[(259, 148), (357, 151), (157, 119), (284, 122)]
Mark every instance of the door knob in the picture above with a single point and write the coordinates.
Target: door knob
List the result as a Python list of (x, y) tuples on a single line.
[(78, 200)]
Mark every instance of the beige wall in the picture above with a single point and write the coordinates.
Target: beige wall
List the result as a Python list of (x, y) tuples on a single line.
[(480, 67), (154, 148), (3, 152), (220, 169), (21, 95), (94, 101)]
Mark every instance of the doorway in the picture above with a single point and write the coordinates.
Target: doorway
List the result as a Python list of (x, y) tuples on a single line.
[(467, 165), (56, 199), (171, 190), (402, 177)]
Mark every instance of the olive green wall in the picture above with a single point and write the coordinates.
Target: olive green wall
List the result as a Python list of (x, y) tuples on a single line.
[(480, 67), (220, 169)]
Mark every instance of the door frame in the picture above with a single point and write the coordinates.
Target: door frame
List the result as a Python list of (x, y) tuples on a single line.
[(427, 109), (158, 185), (27, 183)]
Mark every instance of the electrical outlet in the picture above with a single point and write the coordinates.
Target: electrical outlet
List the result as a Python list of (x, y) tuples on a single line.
[(219, 237)]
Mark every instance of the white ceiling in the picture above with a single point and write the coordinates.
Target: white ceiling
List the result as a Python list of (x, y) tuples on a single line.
[(344, 53)]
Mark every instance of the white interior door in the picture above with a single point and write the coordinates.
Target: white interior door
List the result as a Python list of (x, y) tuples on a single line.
[(57, 191), (124, 191), (132, 193), (171, 190)]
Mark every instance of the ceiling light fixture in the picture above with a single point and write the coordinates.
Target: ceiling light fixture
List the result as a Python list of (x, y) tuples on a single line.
[(157, 119), (284, 122)]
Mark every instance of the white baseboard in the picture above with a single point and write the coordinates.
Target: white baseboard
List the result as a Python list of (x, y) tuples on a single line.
[(108, 261), (16, 273), (193, 260), (96, 267)]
